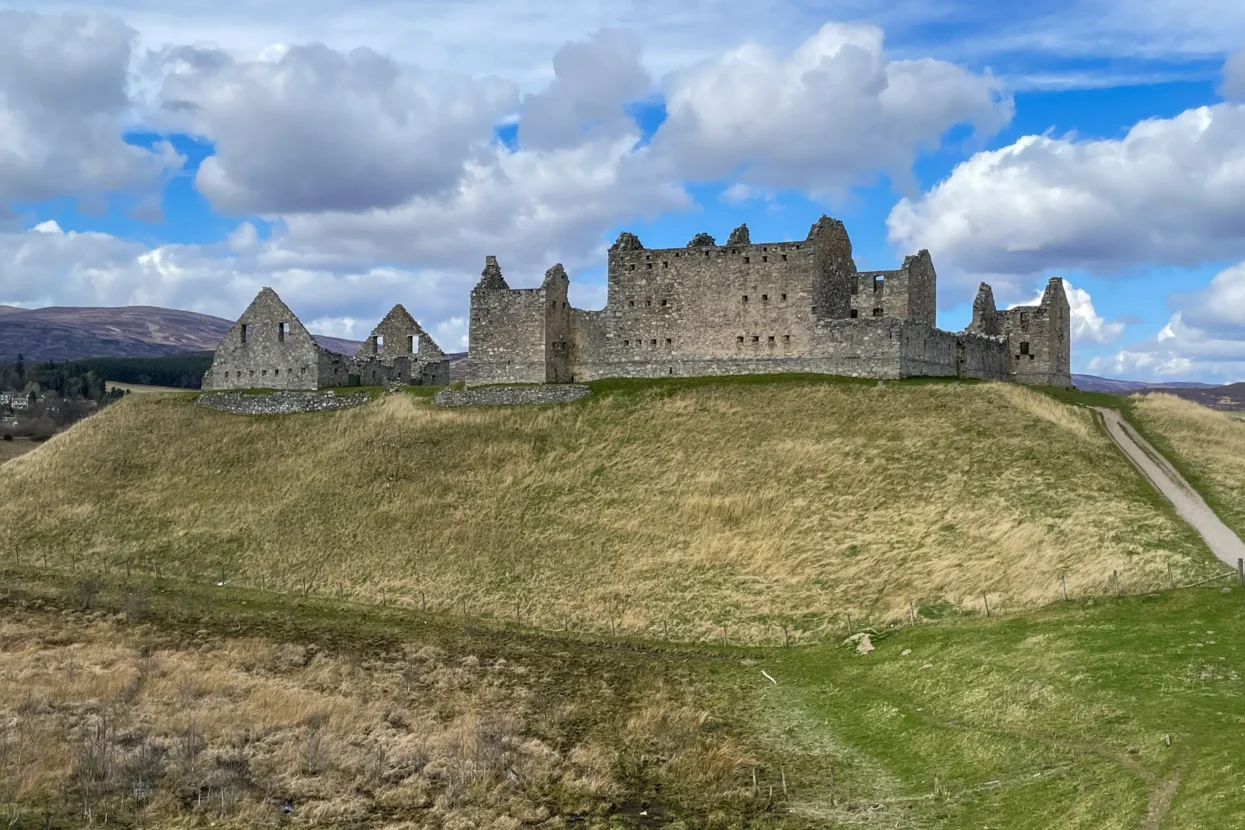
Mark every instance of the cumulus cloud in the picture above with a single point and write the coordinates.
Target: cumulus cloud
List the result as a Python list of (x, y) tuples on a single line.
[(821, 119), (1088, 326), (1170, 191), (1233, 86), (309, 128), (530, 208), (1205, 337), (592, 82), (63, 99)]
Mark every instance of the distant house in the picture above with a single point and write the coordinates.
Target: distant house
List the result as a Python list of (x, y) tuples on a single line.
[(20, 403), (6, 399)]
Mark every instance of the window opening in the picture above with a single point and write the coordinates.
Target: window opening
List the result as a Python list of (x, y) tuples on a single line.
[(282, 328), (244, 328)]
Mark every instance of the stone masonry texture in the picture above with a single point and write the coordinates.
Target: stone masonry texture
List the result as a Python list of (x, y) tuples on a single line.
[(269, 348), (748, 308)]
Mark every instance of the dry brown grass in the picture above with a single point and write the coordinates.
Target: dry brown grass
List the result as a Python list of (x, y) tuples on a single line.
[(745, 505), (95, 721), (1210, 444)]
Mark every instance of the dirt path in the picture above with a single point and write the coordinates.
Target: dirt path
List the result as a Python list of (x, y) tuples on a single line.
[(1222, 541)]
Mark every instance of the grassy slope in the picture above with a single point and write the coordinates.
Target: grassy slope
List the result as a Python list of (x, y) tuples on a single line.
[(1052, 719), (1208, 447), (750, 504)]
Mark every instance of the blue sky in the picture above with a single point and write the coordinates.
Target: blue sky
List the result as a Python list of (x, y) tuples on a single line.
[(186, 154)]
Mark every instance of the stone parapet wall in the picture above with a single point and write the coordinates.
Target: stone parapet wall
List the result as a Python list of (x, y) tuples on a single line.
[(280, 403), (512, 395)]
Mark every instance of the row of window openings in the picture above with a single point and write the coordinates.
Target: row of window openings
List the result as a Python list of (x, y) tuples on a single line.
[(756, 338), (877, 312), (653, 342), (647, 303), (765, 298), (264, 372), (282, 330), (666, 263)]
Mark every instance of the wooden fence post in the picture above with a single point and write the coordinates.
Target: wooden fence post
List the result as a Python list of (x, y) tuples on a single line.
[(786, 638), (1171, 576), (1240, 570), (1063, 586), (986, 600), (911, 614)]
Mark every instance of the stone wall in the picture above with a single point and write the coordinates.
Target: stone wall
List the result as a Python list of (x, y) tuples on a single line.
[(280, 403), (512, 395), (981, 357), (267, 348), (738, 308), (1038, 339), (508, 330)]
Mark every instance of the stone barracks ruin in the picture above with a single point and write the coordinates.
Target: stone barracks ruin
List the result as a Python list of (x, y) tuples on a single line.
[(268, 348), (748, 308)]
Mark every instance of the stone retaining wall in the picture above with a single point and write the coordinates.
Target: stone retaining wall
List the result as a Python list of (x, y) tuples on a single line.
[(281, 403), (512, 395)]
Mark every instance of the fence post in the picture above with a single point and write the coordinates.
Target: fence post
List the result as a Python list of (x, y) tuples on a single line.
[(1240, 570), (1171, 576), (1115, 576), (986, 600), (724, 634), (665, 628), (849, 624), (1063, 586), (911, 614), (786, 638)]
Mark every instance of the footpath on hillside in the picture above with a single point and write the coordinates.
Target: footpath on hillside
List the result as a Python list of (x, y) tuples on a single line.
[(1189, 504)]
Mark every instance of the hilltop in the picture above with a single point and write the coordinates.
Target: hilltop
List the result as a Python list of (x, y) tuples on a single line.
[(67, 333), (749, 503)]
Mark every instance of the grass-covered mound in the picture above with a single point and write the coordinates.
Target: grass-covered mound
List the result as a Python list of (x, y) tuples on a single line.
[(1207, 446), (741, 503)]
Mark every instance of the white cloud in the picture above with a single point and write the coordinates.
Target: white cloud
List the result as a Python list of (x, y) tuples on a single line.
[(825, 117), (63, 96), (1204, 338), (312, 129), (592, 81), (1233, 86), (1087, 325), (1171, 191)]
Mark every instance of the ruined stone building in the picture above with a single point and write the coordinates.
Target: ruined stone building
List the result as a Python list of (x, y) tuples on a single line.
[(746, 308), (268, 348)]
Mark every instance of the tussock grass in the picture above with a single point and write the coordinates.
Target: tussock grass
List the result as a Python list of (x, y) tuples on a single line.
[(749, 506), (1206, 445), (101, 718)]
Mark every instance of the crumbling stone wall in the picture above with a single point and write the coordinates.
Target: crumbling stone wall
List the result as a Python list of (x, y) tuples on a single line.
[(707, 309), (400, 351), (1037, 338), (269, 348)]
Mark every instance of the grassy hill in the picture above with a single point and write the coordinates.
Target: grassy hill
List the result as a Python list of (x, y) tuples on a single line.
[(682, 506), (162, 704), (1208, 447)]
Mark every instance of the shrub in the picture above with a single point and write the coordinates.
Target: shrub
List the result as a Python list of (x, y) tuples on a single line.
[(8, 436)]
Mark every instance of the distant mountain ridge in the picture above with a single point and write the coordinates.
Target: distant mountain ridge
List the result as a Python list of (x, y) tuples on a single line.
[(1093, 383), (67, 333)]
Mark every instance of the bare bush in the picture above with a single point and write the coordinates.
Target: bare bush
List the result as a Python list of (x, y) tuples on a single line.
[(85, 591)]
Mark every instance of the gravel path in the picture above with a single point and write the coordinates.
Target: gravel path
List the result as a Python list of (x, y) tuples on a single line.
[(1222, 541)]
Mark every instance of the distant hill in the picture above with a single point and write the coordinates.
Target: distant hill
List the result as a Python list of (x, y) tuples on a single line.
[(66, 333), (1230, 398), (1093, 383)]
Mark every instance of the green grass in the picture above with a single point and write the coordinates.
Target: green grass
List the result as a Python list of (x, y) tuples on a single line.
[(1055, 718)]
